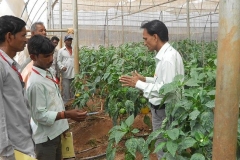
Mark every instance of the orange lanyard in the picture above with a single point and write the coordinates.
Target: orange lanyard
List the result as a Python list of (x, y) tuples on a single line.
[(13, 67), (55, 81)]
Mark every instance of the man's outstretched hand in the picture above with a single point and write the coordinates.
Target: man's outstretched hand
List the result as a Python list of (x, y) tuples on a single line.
[(76, 115)]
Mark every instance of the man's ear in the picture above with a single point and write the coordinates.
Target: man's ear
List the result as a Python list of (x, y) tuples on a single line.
[(33, 57), (155, 37), (8, 37)]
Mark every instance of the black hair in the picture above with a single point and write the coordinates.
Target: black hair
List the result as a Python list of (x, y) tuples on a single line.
[(10, 24), (156, 27), (55, 38), (39, 44)]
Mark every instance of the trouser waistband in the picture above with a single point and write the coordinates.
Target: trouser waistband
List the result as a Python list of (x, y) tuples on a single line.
[(158, 107)]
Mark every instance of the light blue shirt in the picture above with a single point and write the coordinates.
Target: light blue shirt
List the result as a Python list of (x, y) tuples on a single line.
[(45, 102), (15, 130)]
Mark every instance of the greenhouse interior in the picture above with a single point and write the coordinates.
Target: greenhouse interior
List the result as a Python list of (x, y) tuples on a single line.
[(113, 22), (119, 79)]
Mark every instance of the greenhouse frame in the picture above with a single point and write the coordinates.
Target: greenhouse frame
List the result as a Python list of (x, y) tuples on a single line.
[(112, 23)]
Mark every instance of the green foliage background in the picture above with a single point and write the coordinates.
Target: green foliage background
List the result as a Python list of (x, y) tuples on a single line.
[(187, 131)]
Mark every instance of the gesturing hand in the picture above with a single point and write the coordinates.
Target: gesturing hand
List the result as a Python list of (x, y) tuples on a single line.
[(131, 81), (140, 77)]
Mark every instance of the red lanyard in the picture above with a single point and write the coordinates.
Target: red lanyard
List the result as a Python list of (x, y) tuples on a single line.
[(55, 81), (13, 67)]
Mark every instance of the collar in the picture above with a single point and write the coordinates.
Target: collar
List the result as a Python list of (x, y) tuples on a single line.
[(41, 71), (161, 52), (66, 47), (10, 61)]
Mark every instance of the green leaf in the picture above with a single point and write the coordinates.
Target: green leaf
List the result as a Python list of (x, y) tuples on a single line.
[(197, 156), (172, 147), (198, 136), (192, 83), (105, 76), (131, 145), (129, 105), (129, 121), (188, 142), (169, 157), (147, 120), (169, 87), (135, 130), (110, 154), (212, 93), (132, 94), (154, 135), (210, 104), (178, 77), (129, 156), (173, 134), (124, 127), (97, 79), (194, 114), (207, 119), (143, 147), (118, 136), (159, 147)]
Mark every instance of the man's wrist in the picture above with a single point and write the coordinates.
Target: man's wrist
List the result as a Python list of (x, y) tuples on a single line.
[(62, 115), (65, 114), (144, 79)]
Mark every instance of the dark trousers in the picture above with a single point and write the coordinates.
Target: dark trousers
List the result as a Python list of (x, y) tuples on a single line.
[(50, 150)]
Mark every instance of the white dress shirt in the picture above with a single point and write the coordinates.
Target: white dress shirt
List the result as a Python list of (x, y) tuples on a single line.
[(168, 64), (65, 59)]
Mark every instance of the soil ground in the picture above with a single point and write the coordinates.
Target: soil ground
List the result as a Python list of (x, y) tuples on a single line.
[(90, 137)]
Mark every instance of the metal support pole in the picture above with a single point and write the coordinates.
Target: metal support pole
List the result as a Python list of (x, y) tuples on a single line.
[(49, 13), (210, 27), (188, 20), (106, 28), (122, 22), (228, 82), (60, 22), (54, 30), (75, 38), (107, 31)]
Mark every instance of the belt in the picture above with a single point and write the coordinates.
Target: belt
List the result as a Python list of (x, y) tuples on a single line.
[(157, 107)]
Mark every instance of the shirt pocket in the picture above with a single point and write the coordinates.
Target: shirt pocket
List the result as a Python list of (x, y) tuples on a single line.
[(52, 99)]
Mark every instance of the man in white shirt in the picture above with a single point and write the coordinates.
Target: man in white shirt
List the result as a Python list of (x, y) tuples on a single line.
[(65, 61), (168, 64), (46, 105)]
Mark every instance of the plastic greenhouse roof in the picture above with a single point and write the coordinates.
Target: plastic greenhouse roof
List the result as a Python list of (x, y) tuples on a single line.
[(130, 6), (36, 10)]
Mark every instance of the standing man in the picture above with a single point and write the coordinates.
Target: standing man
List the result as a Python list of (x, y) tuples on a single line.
[(54, 67), (37, 28), (15, 131), (47, 108), (168, 64), (65, 63)]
